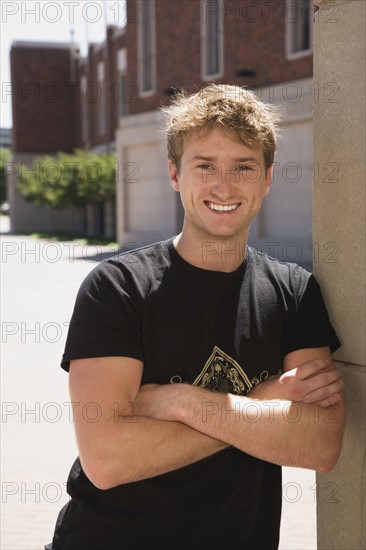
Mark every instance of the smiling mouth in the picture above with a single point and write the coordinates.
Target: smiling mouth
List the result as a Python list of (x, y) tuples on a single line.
[(221, 207)]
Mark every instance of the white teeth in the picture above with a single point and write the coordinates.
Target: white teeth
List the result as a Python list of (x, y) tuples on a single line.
[(222, 207)]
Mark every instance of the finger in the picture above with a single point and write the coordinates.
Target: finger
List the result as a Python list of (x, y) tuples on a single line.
[(309, 369), (329, 402), (325, 393), (320, 380)]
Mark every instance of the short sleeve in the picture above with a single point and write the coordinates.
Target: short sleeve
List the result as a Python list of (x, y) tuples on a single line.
[(106, 320), (311, 327)]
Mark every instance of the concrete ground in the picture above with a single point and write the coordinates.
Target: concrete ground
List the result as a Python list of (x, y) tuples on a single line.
[(39, 284)]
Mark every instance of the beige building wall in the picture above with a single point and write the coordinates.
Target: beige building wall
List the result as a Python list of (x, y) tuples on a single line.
[(147, 207), (283, 227), (339, 229)]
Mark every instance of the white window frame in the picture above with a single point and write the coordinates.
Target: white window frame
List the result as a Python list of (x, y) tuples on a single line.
[(204, 45), (85, 129), (122, 60), (102, 103), (121, 73), (140, 61), (290, 30)]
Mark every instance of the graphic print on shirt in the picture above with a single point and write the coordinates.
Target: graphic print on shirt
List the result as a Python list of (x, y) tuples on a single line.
[(223, 374)]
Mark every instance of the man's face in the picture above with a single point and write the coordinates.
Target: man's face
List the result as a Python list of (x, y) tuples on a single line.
[(222, 183)]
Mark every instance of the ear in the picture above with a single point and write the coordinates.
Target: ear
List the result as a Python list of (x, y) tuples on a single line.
[(173, 173), (268, 182)]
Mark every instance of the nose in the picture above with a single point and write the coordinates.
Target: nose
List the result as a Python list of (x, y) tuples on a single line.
[(222, 186)]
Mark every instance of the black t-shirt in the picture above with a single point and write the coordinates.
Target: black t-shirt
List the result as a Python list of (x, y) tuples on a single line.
[(223, 331)]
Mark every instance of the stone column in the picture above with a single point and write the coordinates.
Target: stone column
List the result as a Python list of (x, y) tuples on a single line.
[(339, 249)]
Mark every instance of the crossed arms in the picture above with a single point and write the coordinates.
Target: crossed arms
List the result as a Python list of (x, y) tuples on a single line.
[(293, 419)]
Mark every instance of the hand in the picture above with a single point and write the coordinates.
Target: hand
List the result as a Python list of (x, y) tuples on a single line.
[(314, 382)]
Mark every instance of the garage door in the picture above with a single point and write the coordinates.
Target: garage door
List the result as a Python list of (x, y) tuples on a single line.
[(146, 189)]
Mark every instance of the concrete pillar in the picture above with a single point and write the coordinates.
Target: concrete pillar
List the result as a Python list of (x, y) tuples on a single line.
[(339, 249)]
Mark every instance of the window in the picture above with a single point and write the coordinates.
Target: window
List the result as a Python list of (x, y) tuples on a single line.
[(84, 109), (299, 23), (122, 82), (146, 46), (102, 98), (212, 39)]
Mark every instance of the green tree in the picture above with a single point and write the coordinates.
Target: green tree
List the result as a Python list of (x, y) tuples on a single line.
[(4, 159), (69, 179)]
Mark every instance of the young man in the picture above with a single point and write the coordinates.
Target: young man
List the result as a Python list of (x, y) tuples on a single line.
[(196, 464)]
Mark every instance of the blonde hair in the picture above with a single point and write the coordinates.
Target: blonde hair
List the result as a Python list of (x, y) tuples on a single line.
[(231, 107)]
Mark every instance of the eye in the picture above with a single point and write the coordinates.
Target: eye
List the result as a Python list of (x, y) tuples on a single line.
[(244, 168), (204, 166)]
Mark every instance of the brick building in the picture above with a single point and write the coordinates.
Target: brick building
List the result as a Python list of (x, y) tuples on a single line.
[(115, 93), (56, 109), (43, 123)]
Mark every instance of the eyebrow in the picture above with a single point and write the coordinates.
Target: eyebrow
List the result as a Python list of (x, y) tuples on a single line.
[(211, 159)]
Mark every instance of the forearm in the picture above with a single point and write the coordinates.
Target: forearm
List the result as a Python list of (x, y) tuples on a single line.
[(278, 431), (122, 446), (134, 448)]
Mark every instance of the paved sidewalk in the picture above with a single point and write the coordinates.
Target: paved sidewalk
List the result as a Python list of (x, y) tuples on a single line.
[(39, 284)]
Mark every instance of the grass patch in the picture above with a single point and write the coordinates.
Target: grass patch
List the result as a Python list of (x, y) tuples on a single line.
[(71, 237)]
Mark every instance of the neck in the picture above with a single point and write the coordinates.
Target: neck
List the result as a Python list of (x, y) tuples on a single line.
[(213, 253)]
